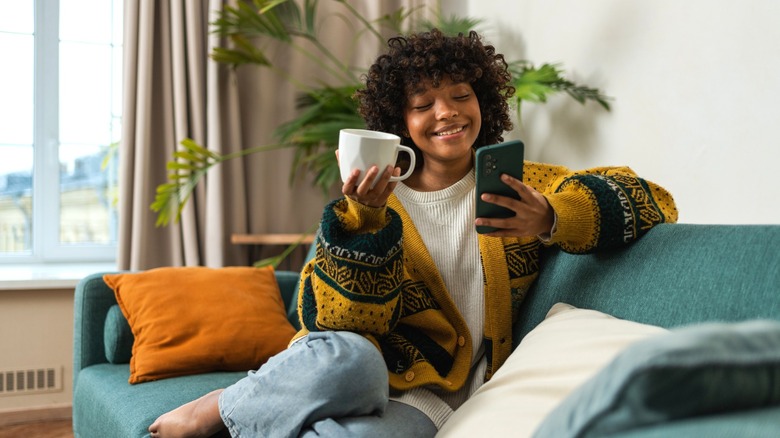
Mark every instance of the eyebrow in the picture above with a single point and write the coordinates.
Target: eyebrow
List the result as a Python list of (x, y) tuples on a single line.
[(417, 91), (421, 89)]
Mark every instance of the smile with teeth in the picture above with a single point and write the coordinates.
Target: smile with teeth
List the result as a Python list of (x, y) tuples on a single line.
[(449, 132)]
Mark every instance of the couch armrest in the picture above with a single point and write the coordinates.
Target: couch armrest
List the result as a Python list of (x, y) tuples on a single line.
[(91, 303)]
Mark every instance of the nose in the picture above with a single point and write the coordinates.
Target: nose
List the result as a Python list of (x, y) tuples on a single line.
[(446, 111)]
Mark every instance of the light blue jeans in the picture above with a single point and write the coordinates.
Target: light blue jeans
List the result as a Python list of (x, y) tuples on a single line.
[(327, 384)]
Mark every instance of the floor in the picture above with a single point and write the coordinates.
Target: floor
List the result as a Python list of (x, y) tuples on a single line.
[(48, 429)]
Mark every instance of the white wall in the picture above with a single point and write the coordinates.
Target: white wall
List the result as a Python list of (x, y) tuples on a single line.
[(696, 87)]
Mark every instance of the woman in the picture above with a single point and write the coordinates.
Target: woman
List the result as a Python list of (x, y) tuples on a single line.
[(406, 309)]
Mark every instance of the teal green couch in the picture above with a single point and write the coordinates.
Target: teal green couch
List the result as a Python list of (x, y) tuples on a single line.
[(678, 274)]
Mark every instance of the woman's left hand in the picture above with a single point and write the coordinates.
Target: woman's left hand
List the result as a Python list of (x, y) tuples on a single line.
[(363, 191), (533, 214)]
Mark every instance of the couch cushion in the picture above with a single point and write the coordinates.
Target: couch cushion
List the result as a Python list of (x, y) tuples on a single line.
[(567, 348), (189, 320), (104, 405), (117, 336), (699, 370)]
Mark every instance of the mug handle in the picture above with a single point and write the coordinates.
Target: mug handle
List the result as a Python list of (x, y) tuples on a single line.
[(412, 158)]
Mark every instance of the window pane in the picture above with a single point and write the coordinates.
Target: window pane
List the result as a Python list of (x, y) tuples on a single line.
[(118, 28), (90, 60), (86, 20), (16, 89), (16, 16), (87, 192), (85, 93), (16, 166), (16, 134), (116, 91)]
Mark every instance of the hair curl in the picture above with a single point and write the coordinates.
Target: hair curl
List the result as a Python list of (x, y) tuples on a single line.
[(433, 56)]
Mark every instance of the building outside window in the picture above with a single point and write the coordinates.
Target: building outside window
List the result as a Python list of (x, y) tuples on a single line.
[(60, 114)]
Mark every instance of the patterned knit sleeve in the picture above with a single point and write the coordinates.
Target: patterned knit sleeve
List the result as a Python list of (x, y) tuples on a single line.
[(354, 281), (601, 207)]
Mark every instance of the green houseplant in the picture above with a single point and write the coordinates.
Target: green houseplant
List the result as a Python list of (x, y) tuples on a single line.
[(323, 109)]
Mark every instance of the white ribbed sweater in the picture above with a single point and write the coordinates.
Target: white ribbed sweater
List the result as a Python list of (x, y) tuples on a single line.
[(445, 220)]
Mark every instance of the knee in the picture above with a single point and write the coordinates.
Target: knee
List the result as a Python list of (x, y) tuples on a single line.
[(348, 358)]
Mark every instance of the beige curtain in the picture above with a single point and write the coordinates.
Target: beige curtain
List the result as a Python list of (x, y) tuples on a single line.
[(172, 91)]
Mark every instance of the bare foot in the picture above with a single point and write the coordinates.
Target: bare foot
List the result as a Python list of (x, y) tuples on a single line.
[(198, 418)]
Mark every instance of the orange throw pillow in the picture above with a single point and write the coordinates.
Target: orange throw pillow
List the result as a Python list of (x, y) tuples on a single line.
[(191, 320)]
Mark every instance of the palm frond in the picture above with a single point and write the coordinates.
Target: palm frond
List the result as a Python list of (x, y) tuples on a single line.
[(537, 84), (111, 153), (310, 13), (276, 260), (314, 132), (452, 25), (244, 23), (395, 21), (188, 167), (259, 18)]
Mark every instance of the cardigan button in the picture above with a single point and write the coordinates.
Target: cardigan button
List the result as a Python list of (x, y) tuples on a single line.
[(461, 341), (409, 376)]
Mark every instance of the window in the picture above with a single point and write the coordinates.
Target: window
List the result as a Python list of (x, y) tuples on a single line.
[(60, 109)]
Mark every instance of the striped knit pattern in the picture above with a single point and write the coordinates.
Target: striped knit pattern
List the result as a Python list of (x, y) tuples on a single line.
[(359, 276)]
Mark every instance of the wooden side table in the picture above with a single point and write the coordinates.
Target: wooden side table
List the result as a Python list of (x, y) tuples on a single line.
[(269, 245), (270, 239)]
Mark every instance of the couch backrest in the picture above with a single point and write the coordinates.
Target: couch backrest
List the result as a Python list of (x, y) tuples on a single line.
[(289, 286), (677, 274)]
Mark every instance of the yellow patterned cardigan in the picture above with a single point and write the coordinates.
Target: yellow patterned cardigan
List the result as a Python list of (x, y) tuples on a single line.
[(373, 275)]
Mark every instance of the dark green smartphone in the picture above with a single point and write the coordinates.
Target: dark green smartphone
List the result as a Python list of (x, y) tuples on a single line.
[(491, 162)]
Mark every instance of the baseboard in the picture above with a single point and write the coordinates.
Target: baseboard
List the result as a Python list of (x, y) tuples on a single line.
[(32, 415)]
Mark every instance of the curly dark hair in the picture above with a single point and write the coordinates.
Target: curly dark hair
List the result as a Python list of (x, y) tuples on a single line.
[(432, 55)]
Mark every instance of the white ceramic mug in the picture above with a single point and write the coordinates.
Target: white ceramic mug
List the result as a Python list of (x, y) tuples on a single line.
[(361, 149)]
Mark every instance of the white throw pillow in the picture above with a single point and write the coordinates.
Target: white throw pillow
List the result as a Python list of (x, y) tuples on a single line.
[(562, 352)]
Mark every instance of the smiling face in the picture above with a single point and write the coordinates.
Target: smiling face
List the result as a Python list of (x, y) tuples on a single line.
[(444, 122), (468, 108)]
